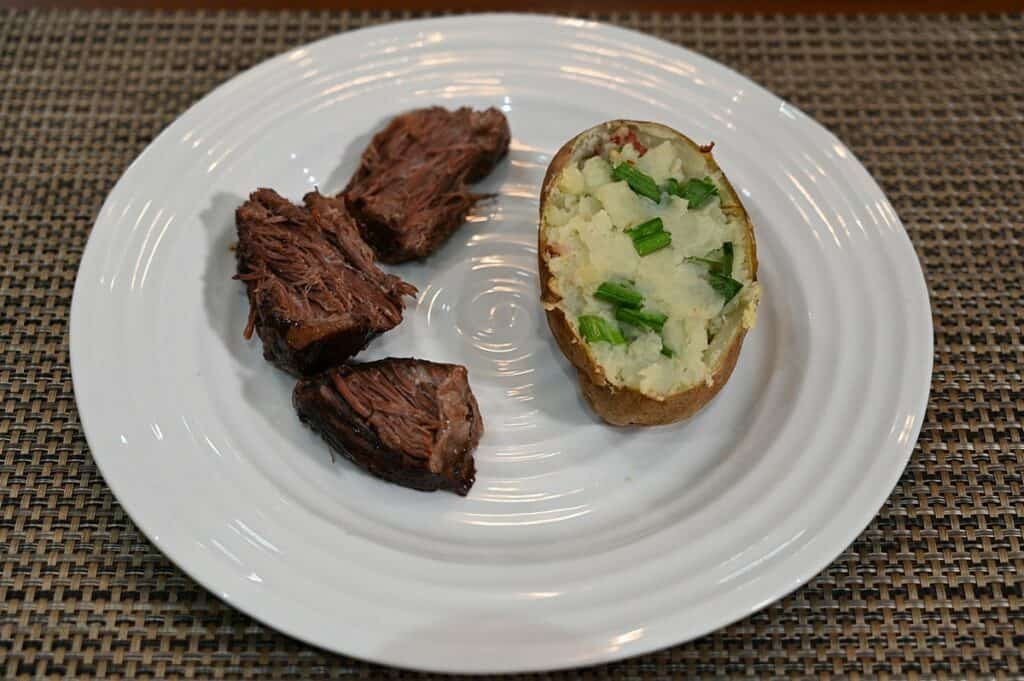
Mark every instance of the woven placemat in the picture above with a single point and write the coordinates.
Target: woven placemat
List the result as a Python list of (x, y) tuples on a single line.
[(933, 105)]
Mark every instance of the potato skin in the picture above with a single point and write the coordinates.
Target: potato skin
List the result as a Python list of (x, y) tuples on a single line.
[(617, 405)]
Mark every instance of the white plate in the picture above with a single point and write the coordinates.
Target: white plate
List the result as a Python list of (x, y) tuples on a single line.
[(580, 543)]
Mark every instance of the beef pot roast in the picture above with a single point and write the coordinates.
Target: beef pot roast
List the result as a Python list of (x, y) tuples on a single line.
[(411, 189), (316, 297), (409, 421)]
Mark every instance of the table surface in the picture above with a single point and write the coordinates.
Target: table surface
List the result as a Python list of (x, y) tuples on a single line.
[(663, 6), (933, 105)]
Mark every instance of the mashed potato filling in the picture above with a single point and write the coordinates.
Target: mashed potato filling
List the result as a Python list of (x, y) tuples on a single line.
[(588, 215)]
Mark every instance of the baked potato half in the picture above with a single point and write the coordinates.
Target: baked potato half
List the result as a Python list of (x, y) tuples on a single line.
[(648, 270)]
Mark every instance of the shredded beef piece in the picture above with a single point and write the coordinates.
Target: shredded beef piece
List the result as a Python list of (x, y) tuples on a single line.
[(408, 421), (315, 295), (411, 189)]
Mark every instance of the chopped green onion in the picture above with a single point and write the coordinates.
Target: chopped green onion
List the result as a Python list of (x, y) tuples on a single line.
[(652, 320), (699, 192), (712, 265), (596, 329), (724, 284), (620, 294), (696, 192), (718, 261), (727, 258), (652, 226), (667, 351), (642, 184), (652, 243), (719, 264)]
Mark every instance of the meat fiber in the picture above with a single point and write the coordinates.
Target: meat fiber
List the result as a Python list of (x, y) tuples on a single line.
[(316, 297), (411, 189), (408, 421)]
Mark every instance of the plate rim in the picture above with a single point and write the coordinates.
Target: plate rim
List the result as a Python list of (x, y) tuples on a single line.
[(649, 643)]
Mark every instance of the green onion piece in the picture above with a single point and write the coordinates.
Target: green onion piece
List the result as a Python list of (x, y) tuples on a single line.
[(620, 294), (724, 284), (727, 258), (699, 192), (696, 192), (652, 243), (718, 260), (652, 226), (652, 320), (596, 329), (642, 184), (589, 328), (667, 351), (711, 264)]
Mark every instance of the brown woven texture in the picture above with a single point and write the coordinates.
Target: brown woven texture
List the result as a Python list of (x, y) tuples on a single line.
[(933, 105)]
